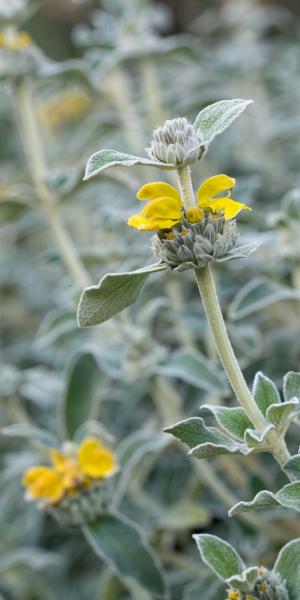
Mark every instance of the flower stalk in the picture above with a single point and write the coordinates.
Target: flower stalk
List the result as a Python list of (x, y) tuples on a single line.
[(206, 286), (186, 187), (34, 152)]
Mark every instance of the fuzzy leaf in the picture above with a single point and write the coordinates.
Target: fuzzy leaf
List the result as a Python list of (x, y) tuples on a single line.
[(292, 466), (264, 392), (291, 385), (240, 252), (288, 567), (233, 420), (204, 441), (245, 581), (257, 440), (288, 496), (83, 380), (215, 118), (30, 432), (120, 545), (282, 414), (105, 159), (194, 368), (257, 295), (219, 556), (115, 292)]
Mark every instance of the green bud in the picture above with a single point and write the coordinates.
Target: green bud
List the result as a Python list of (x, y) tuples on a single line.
[(195, 245), (83, 506), (176, 142)]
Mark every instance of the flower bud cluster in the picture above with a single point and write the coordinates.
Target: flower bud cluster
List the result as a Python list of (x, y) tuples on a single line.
[(194, 245), (19, 56), (82, 507), (176, 142)]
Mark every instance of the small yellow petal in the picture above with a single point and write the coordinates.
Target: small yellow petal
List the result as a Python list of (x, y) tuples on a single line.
[(143, 224), (43, 483), (96, 461), (157, 189), (58, 459), (213, 186), (162, 208), (194, 215), (229, 207)]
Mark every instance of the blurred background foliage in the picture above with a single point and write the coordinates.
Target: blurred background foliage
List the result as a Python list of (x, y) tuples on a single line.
[(106, 74)]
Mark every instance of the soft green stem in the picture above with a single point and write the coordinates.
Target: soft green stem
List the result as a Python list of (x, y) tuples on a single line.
[(214, 315), (231, 366), (186, 186), (34, 151)]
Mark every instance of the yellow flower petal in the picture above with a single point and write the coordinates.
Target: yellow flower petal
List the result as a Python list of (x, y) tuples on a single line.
[(43, 483), (95, 460), (58, 459), (229, 207), (68, 469), (162, 208), (158, 189), (143, 224), (213, 186)]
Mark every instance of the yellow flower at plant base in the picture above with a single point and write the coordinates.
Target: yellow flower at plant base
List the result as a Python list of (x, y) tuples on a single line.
[(68, 106), (15, 40), (164, 208), (72, 469)]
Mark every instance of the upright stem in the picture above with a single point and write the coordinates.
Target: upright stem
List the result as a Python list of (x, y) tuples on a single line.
[(34, 151), (186, 186), (214, 315), (231, 366)]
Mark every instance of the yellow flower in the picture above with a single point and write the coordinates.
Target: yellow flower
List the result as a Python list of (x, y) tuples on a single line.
[(68, 106), (15, 41), (71, 470), (233, 595), (164, 208), (211, 197)]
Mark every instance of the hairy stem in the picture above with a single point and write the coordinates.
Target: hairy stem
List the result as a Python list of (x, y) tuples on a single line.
[(34, 152), (231, 366), (186, 186), (214, 315)]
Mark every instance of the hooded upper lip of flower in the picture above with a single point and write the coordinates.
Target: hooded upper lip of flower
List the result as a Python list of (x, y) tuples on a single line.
[(69, 472), (164, 208)]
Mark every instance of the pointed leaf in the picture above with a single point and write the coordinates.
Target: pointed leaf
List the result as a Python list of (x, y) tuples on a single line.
[(194, 368), (233, 420), (83, 381), (219, 556), (288, 496), (30, 432), (288, 567), (119, 543), (105, 159), (282, 414), (240, 252), (291, 385), (215, 118), (257, 295), (115, 292), (204, 441), (264, 392)]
